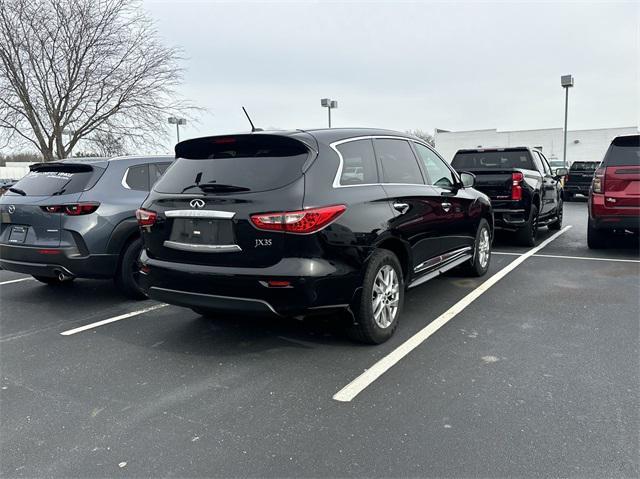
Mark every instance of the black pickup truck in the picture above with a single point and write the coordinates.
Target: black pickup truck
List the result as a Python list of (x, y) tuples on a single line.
[(579, 179), (524, 192)]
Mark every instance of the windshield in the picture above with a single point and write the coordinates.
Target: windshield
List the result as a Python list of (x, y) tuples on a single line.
[(584, 166), (481, 160), (234, 164)]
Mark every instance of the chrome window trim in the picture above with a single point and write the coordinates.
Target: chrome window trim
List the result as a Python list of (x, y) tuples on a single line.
[(336, 180), (203, 248), (225, 215), (124, 179)]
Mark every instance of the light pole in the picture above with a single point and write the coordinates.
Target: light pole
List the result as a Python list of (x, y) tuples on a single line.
[(567, 82), (177, 121), (329, 104)]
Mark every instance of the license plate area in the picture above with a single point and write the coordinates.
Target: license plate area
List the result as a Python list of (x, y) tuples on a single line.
[(202, 231), (18, 234)]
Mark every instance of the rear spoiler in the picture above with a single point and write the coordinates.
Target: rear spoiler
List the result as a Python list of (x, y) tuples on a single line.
[(207, 147), (61, 167)]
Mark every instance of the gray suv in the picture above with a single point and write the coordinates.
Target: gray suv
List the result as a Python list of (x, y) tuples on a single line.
[(76, 219)]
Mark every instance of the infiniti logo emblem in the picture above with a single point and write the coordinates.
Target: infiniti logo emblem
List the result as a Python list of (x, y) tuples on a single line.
[(12, 209), (197, 203)]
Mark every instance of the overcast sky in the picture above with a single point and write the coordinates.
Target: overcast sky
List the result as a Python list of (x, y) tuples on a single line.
[(406, 65)]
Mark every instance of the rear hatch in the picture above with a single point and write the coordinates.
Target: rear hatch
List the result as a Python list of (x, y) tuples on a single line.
[(30, 211), (205, 200), (622, 173), (493, 169)]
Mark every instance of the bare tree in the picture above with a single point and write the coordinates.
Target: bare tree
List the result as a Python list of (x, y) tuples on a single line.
[(423, 135), (73, 70)]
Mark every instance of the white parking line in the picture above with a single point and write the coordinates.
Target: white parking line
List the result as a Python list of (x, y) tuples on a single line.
[(16, 280), (588, 258), (113, 320), (356, 386)]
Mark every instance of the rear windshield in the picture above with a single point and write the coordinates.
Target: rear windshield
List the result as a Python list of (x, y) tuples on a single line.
[(49, 180), (584, 166), (488, 160), (624, 151), (234, 164)]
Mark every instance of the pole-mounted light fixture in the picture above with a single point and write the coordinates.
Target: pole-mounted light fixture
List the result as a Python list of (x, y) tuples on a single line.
[(329, 104)]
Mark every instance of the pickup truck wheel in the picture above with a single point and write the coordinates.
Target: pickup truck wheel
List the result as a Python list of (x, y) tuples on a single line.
[(596, 239), (378, 310), (479, 264), (527, 236), (557, 224), (126, 278)]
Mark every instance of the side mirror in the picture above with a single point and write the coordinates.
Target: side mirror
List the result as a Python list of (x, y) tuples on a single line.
[(468, 179), (562, 172)]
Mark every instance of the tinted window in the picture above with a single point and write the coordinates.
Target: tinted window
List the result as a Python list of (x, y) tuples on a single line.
[(439, 174), (234, 164), (588, 166), (492, 160), (137, 177), (358, 163), (50, 180), (156, 170), (399, 165), (624, 151)]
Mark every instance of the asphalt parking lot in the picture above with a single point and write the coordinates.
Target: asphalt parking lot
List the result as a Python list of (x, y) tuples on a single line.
[(538, 376)]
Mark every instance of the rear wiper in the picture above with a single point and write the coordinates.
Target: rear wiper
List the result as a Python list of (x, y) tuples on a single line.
[(17, 190), (219, 187)]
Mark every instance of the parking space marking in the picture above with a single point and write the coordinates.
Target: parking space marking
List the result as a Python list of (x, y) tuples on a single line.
[(112, 320), (588, 258), (356, 386), (16, 280)]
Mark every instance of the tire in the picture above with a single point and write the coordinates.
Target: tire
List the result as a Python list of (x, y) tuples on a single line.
[(557, 224), (596, 239), (52, 280), (527, 235), (568, 196), (479, 264), (126, 275), (369, 328)]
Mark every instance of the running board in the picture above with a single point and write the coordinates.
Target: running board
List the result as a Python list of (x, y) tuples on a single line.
[(440, 270)]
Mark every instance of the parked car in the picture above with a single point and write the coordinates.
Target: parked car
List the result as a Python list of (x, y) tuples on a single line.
[(301, 222), (579, 179), (614, 199), (76, 219), (524, 191)]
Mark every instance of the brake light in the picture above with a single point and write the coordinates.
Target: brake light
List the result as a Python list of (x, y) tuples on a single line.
[(74, 209), (598, 181), (516, 188), (146, 217), (300, 222)]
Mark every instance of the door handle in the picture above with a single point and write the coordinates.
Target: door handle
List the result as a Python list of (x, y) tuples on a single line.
[(446, 207), (401, 207)]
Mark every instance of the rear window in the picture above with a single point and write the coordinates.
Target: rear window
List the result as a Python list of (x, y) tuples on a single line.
[(48, 180), (624, 151), (234, 164), (487, 160), (584, 166)]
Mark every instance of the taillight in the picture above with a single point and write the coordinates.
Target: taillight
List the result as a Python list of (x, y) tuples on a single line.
[(598, 181), (300, 222), (74, 209), (516, 188), (146, 217)]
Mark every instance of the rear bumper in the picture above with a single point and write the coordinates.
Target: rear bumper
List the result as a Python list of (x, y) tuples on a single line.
[(314, 285), (631, 223), (53, 261), (612, 218), (510, 219)]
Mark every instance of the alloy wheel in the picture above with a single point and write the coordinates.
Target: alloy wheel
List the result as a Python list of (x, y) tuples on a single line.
[(484, 248), (385, 296)]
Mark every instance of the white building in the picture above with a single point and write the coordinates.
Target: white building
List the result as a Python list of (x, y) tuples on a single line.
[(586, 145), (14, 170)]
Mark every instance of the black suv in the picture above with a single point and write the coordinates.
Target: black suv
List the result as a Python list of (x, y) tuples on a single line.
[(292, 223)]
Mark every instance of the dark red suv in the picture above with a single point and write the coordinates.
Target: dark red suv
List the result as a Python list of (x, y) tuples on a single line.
[(614, 198)]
